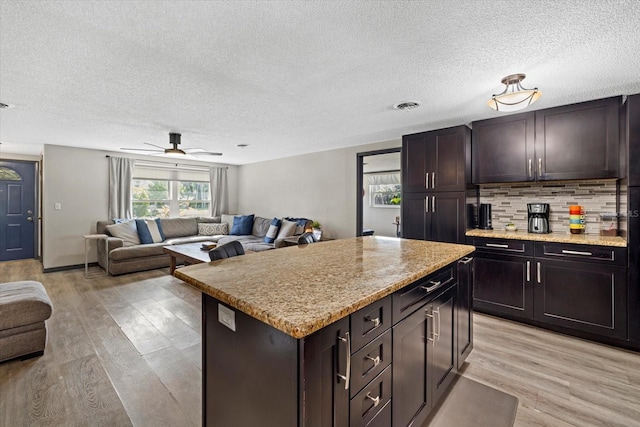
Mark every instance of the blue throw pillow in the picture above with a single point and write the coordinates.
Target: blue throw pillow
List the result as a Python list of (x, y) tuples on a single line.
[(149, 231), (242, 225), (270, 237)]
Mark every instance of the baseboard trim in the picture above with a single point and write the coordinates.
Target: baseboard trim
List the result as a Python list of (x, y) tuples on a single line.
[(68, 267)]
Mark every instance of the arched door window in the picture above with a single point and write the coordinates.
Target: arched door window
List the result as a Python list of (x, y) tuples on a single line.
[(7, 174)]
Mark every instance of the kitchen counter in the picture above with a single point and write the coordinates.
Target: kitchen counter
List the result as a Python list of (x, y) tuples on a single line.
[(301, 289), (558, 237)]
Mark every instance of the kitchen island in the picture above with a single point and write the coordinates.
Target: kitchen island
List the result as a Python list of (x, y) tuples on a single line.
[(310, 335)]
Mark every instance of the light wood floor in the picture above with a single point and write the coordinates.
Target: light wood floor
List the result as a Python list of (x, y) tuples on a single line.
[(126, 351)]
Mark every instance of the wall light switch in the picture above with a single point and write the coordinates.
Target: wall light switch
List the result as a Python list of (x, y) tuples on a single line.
[(227, 317), (57, 206)]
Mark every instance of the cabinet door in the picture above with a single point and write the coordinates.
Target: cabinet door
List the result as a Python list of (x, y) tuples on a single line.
[(582, 296), (443, 362), (502, 285), (414, 162), (579, 141), (633, 228), (447, 217), (464, 309), (503, 149), (412, 338), (633, 139), (448, 165), (326, 400), (416, 220)]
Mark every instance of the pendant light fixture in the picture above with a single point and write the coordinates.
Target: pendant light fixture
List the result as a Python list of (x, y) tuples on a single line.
[(514, 97)]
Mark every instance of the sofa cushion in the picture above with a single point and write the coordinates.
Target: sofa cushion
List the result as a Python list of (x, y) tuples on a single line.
[(208, 219), (228, 219), (287, 229), (192, 239), (260, 226), (23, 303), (127, 231), (139, 251), (242, 225), (179, 227), (274, 227), (149, 231), (249, 242), (212, 229)]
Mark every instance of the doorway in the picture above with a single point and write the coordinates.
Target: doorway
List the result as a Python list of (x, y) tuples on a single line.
[(379, 193), (17, 210)]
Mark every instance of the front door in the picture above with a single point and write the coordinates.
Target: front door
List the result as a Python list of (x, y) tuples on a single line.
[(17, 210)]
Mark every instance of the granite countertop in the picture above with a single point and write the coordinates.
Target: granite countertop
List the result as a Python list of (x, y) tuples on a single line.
[(301, 289), (579, 239)]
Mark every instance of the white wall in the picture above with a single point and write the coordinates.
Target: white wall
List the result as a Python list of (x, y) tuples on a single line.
[(380, 220), (319, 186), (78, 179)]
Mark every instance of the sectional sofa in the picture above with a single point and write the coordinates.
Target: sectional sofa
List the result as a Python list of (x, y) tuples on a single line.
[(127, 255)]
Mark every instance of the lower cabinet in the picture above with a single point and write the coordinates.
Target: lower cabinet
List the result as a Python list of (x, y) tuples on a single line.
[(583, 296), (581, 288), (424, 358), (464, 310)]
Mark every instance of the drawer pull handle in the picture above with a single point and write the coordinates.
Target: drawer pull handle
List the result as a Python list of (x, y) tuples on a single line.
[(539, 278), (375, 400), (528, 271), (347, 375), (437, 335), (426, 180), (433, 287), (375, 320), (564, 251), (375, 360), (496, 245), (465, 260)]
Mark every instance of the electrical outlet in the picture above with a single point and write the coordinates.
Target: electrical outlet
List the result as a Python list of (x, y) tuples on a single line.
[(57, 206), (227, 317)]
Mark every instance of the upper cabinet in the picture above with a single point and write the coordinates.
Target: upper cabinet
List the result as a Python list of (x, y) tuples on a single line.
[(436, 160), (579, 141), (503, 149)]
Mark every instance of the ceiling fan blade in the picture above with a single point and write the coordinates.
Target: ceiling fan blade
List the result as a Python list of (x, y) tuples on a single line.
[(194, 150), (142, 150), (154, 145), (206, 153)]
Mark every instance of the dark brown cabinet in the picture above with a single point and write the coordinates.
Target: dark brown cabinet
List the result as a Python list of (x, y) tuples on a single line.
[(325, 362), (434, 216), (581, 287), (578, 141), (424, 358), (436, 160), (464, 328), (503, 149), (502, 277)]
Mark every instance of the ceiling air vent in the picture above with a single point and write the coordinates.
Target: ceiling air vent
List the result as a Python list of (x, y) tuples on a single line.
[(408, 105)]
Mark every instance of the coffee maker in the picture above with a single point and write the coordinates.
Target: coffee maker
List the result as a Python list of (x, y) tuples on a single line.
[(484, 217), (538, 214)]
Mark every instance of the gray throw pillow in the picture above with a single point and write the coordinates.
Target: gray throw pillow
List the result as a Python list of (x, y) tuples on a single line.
[(213, 229), (286, 229)]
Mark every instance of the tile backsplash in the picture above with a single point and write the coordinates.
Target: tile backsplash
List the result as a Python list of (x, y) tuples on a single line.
[(509, 202)]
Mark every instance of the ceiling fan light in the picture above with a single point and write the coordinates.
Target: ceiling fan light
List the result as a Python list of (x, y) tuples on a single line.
[(514, 97)]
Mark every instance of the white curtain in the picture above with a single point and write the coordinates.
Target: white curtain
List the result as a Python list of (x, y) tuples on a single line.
[(383, 178), (219, 191), (120, 175)]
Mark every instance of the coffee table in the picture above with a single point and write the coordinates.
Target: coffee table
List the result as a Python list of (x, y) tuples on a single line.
[(189, 253)]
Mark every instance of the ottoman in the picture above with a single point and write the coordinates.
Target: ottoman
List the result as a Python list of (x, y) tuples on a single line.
[(24, 307)]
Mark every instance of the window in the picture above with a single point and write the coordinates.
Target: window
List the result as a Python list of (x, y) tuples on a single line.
[(385, 195), (7, 174), (164, 199)]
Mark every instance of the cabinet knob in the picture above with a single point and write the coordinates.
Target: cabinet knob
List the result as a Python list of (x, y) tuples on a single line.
[(375, 320)]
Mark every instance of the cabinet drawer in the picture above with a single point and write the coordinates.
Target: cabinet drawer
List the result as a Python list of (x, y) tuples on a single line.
[(369, 322), (587, 253), (370, 361), (521, 247), (366, 405), (412, 297)]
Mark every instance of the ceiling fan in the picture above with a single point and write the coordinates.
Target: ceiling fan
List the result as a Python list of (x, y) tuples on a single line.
[(173, 151)]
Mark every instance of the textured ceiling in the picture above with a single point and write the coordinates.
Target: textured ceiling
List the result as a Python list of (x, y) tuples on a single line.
[(293, 77)]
